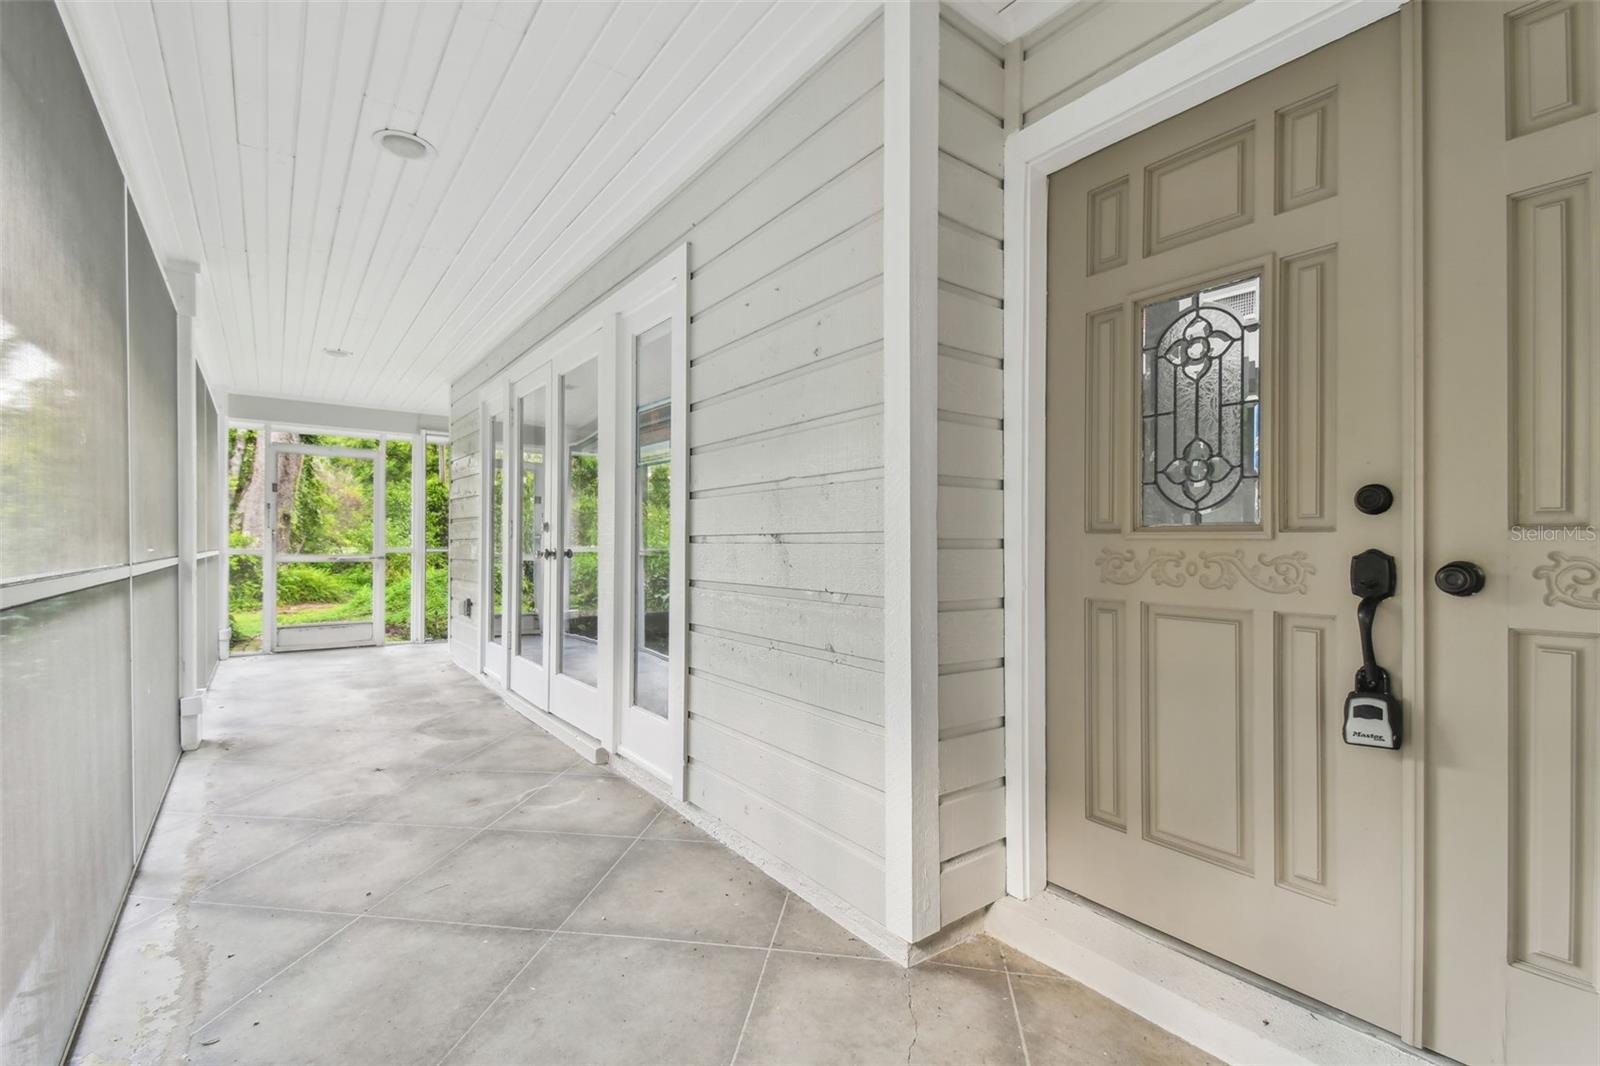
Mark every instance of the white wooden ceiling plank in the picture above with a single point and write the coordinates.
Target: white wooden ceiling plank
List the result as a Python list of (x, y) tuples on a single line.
[(597, 91), (186, 92), (436, 24), (164, 203), (559, 57), (367, 186), (472, 71), (560, 259), (287, 26), (247, 40), (314, 105), (335, 155), (442, 31), (657, 101), (723, 106), (213, 52)]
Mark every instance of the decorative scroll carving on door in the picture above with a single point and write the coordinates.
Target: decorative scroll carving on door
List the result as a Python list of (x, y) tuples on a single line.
[(1280, 574), (1571, 580)]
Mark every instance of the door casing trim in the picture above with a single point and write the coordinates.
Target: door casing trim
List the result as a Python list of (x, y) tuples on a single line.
[(1224, 55)]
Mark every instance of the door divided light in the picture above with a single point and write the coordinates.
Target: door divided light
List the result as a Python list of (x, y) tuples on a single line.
[(580, 528), (531, 410), (652, 528)]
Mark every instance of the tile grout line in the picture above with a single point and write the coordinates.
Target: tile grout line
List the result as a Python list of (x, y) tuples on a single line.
[(552, 930), (327, 828), (473, 836), (548, 940), (277, 974), (1016, 1012), (756, 991)]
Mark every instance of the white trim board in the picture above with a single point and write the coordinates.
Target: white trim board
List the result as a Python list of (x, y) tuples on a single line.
[(1222, 56), (1222, 1013)]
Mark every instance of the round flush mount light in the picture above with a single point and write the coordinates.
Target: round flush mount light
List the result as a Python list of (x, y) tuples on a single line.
[(403, 144), (336, 353)]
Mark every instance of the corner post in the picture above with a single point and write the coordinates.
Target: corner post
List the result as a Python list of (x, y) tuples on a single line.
[(910, 455), (181, 282)]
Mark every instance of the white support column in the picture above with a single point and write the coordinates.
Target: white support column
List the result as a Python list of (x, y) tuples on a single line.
[(419, 537), (910, 449), (267, 453), (219, 514), (380, 541), (181, 281)]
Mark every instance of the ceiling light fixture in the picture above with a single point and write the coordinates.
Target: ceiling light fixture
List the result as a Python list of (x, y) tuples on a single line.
[(336, 353), (403, 144)]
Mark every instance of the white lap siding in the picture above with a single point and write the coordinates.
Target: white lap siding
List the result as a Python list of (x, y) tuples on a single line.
[(785, 687), (971, 580)]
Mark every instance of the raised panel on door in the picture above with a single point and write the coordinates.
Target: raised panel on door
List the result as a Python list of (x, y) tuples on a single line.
[(1513, 447), (1223, 322)]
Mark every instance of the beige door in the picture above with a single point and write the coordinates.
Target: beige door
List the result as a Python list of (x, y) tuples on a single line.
[(1224, 374), (1513, 478)]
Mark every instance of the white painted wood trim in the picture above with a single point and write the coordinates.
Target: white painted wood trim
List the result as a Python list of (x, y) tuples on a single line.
[(269, 553), (910, 457), (1413, 355), (419, 537), (1241, 46), (1226, 1014), (183, 286), (678, 533), (380, 541)]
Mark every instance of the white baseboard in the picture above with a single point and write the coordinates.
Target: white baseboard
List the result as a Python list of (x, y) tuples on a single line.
[(1221, 1013)]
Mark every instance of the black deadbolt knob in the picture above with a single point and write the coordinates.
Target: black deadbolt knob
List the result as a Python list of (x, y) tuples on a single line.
[(1460, 578), (1374, 499)]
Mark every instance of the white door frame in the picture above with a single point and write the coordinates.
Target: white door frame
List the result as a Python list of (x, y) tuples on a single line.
[(598, 325), (658, 743), (1235, 49)]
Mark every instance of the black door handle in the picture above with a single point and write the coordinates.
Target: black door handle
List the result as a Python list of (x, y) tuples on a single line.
[(1460, 578)]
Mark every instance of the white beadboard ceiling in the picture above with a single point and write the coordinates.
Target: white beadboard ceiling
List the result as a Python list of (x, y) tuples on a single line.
[(245, 129)]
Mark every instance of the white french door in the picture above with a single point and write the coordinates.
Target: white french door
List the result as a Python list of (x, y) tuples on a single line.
[(652, 401), (583, 540), (546, 536), (530, 550), (494, 435)]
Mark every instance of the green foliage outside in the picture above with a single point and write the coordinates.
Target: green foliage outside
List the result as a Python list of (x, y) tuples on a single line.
[(326, 508)]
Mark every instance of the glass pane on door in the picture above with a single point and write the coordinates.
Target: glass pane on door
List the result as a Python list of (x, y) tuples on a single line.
[(652, 532), (497, 493), (530, 640), (580, 627)]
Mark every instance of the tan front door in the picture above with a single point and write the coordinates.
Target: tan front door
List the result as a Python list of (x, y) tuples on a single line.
[(1226, 361), (1513, 486), (1224, 374)]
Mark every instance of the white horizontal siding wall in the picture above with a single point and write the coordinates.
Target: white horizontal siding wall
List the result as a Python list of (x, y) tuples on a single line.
[(972, 96), (1093, 42), (785, 657)]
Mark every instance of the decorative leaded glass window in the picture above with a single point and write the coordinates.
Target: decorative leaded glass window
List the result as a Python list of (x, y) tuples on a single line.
[(1200, 450)]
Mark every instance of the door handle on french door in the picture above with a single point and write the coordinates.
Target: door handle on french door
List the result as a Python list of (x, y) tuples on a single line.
[(547, 553), (567, 552), (1371, 713)]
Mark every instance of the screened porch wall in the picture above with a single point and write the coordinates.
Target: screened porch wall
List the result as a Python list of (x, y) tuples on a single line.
[(89, 532)]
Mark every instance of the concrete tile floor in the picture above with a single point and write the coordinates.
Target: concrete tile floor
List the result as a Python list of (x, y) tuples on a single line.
[(373, 860)]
